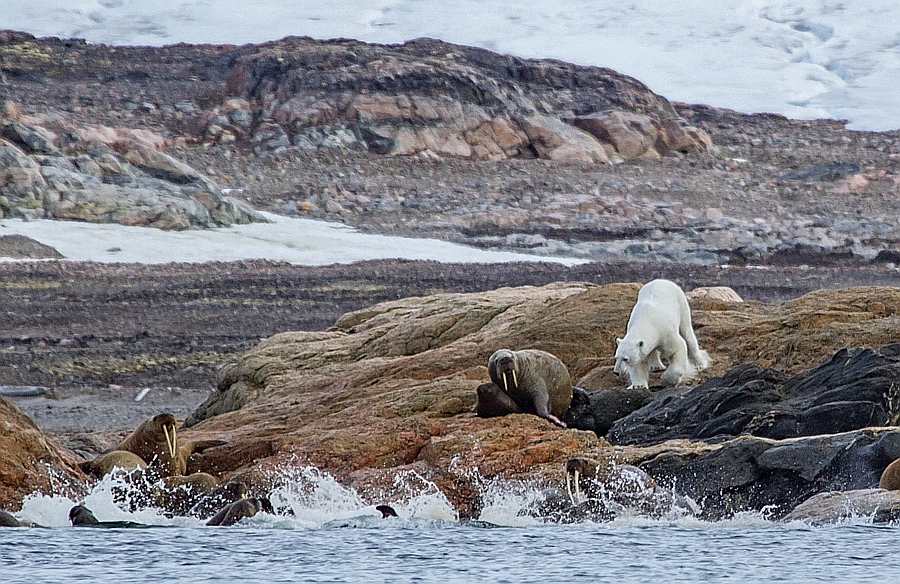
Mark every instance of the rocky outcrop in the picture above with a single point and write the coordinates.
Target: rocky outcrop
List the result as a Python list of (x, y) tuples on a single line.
[(433, 98), (856, 388), (31, 462), (105, 175), (391, 389)]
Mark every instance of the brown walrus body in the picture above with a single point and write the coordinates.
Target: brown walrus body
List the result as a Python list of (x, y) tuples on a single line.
[(121, 460), (156, 441), (491, 401), (535, 380), (890, 478)]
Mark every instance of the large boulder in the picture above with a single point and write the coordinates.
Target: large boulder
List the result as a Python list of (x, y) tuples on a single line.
[(31, 462), (428, 96), (856, 388), (106, 175), (391, 389)]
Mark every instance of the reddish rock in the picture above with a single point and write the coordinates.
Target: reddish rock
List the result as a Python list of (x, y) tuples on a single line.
[(31, 462), (392, 388)]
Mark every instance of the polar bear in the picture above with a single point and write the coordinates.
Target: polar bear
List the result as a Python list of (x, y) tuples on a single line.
[(660, 327)]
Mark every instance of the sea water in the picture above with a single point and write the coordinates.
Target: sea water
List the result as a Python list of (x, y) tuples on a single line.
[(333, 535)]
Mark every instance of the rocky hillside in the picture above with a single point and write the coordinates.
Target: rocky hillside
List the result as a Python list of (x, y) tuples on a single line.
[(433, 139)]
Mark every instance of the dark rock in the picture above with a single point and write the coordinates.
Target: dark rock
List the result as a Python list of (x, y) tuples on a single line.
[(751, 473), (20, 246), (597, 411), (856, 388), (820, 172)]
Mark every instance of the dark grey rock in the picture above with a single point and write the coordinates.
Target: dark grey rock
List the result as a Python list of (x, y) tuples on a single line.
[(856, 388)]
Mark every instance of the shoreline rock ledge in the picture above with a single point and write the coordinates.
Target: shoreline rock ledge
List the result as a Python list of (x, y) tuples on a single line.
[(389, 391)]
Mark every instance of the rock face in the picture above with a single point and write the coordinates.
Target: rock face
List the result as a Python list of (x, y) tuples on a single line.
[(105, 175), (427, 96), (30, 462), (391, 389), (856, 388)]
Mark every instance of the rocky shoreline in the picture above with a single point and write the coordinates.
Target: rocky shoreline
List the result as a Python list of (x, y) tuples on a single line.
[(369, 370)]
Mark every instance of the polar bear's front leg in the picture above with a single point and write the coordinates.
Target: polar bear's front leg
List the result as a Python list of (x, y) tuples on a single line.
[(679, 368), (655, 362), (639, 375)]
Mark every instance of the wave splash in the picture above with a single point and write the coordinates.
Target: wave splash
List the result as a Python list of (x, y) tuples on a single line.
[(306, 497)]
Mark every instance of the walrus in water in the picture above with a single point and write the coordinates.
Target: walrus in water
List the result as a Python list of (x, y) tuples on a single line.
[(536, 381), (386, 511), (220, 497), (81, 516), (7, 519), (234, 512), (177, 495), (119, 460), (890, 478)]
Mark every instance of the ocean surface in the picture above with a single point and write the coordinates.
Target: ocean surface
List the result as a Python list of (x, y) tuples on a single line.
[(333, 535), (404, 551)]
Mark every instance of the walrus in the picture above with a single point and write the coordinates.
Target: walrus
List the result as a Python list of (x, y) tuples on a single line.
[(624, 482), (122, 460), (386, 511), (890, 478), (156, 441), (234, 512), (535, 380), (219, 497), (177, 495), (7, 519), (81, 516), (491, 401)]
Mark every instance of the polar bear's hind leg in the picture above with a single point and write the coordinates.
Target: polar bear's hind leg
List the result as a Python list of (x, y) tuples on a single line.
[(679, 369)]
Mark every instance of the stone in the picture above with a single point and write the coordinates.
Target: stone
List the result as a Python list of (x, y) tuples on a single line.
[(402, 377), (554, 140), (854, 389), (31, 462)]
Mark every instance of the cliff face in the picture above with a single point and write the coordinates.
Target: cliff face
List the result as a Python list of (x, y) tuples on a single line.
[(29, 461), (392, 388)]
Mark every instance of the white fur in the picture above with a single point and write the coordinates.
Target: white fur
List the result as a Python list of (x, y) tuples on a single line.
[(660, 328)]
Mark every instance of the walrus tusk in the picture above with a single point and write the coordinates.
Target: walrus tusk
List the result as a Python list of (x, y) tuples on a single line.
[(505, 387), (171, 442), (515, 381), (577, 496)]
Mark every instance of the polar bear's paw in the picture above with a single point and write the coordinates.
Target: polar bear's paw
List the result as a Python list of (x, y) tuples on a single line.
[(701, 360)]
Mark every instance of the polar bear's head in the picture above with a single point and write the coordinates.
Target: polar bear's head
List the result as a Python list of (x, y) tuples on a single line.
[(629, 354)]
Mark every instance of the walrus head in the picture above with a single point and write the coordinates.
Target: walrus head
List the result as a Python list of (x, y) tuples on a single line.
[(502, 369), (81, 515), (168, 425), (594, 478)]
